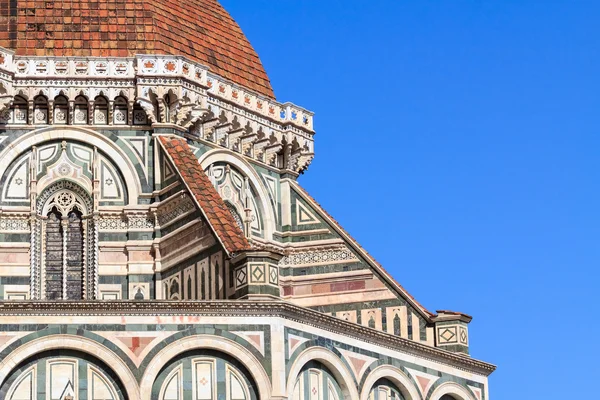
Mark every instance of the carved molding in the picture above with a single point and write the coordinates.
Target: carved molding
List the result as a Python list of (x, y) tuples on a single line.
[(252, 309), (168, 90)]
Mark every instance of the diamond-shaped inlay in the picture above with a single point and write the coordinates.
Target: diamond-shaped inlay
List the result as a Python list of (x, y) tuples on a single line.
[(258, 273), (203, 381), (273, 275), (240, 277), (314, 390), (447, 335), (463, 335)]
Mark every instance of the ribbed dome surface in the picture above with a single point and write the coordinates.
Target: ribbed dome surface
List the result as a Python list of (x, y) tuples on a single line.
[(198, 29)]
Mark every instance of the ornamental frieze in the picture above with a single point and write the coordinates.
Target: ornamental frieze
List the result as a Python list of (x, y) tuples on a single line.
[(168, 90)]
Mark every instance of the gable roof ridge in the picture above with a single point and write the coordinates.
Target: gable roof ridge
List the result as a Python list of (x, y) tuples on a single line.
[(357, 247), (210, 203)]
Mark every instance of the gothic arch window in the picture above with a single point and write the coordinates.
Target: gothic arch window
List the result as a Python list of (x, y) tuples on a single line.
[(315, 381), (372, 322), (81, 110), (40, 110), (209, 376), (139, 295), (174, 290), (100, 110), (67, 268), (139, 115), (189, 288), (120, 111), (203, 285), (20, 110), (384, 389), (61, 110), (397, 325), (169, 101)]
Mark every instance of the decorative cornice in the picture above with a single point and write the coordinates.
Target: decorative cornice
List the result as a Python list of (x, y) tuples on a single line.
[(170, 90), (241, 308)]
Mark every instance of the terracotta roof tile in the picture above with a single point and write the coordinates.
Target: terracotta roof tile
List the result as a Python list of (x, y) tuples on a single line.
[(208, 200), (198, 29)]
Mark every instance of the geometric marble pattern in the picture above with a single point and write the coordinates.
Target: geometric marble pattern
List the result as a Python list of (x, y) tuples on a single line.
[(358, 362), (304, 216), (256, 339), (476, 392), (135, 344), (447, 334), (294, 342), (424, 381)]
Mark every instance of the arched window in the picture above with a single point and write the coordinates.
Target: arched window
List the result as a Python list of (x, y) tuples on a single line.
[(61, 110), (139, 295), (54, 255), (120, 111), (208, 377), (384, 389), (139, 115), (397, 325), (174, 290), (68, 376), (20, 110), (189, 287), (40, 110), (81, 110), (64, 244), (74, 256), (65, 248), (315, 381), (169, 103), (410, 326), (100, 111), (203, 284), (372, 322)]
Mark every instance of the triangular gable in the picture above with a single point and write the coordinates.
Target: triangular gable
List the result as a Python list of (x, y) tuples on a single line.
[(211, 205), (299, 190)]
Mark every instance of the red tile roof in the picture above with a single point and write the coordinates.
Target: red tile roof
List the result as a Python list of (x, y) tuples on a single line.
[(198, 29), (208, 200)]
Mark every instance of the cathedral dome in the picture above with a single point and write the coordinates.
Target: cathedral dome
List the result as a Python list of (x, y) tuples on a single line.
[(200, 30)]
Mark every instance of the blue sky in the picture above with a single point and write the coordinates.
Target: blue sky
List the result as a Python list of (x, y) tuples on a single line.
[(458, 142)]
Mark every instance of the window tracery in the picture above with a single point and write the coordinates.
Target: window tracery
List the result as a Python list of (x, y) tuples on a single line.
[(62, 379), (211, 378), (239, 196), (315, 382), (383, 389)]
